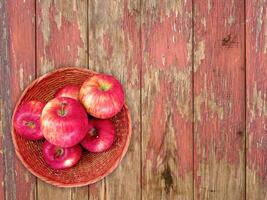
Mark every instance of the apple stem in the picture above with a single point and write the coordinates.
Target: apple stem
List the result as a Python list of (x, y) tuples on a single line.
[(105, 87), (30, 124), (93, 132), (62, 111), (59, 152)]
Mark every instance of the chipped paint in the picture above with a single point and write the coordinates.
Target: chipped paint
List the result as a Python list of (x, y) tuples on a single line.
[(47, 65), (209, 5), (44, 21), (259, 103), (265, 34), (26, 177), (107, 45), (199, 54), (160, 44), (158, 123), (259, 21), (204, 23), (58, 17), (55, 21), (167, 99), (207, 100), (231, 20), (21, 79)]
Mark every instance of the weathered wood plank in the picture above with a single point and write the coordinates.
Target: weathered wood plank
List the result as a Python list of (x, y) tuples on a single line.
[(167, 141), (114, 48), (17, 74), (4, 80), (219, 99), (256, 45), (61, 41)]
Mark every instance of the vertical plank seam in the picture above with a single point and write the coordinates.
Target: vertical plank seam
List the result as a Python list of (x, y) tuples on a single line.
[(35, 39), (87, 61), (3, 45), (245, 95), (35, 72), (140, 96), (193, 97), (105, 188)]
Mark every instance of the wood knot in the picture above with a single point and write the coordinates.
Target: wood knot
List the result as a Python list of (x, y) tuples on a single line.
[(239, 132), (212, 190), (228, 41), (167, 177)]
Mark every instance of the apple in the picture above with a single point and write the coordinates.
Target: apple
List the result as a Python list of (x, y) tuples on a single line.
[(71, 91), (100, 136), (61, 158), (102, 96), (64, 122), (27, 120)]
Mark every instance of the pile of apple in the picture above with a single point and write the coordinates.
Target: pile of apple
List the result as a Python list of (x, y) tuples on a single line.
[(64, 122)]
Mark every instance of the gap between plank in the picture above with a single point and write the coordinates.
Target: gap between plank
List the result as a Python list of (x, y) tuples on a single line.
[(140, 95), (245, 97), (193, 97)]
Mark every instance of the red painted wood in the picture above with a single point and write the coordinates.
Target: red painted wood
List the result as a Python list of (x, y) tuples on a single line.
[(256, 55), (19, 183), (167, 141), (219, 99)]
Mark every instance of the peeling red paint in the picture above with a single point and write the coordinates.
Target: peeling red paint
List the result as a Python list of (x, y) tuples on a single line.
[(22, 59), (107, 45), (21, 47), (64, 41), (219, 97), (257, 91), (160, 121), (131, 29), (184, 142), (165, 44), (157, 124), (167, 130)]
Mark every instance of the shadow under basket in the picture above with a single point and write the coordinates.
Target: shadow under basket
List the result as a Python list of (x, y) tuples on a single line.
[(93, 166)]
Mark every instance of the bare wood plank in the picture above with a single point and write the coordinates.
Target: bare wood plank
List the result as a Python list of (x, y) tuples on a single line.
[(167, 140), (219, 99), (114, 48), (18, 72), (61, 41), (256, 43)]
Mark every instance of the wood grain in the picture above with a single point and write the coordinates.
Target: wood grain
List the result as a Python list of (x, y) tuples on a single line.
[(219, 99), (114, 48), (167, 142), (256, 45), (3, 95), (18, 73), (61, 41)]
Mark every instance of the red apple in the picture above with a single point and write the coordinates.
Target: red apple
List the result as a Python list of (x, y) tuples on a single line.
[(102, 96), (27, 120), (64, 122), (100, 136), (71, 91), (61, 158)]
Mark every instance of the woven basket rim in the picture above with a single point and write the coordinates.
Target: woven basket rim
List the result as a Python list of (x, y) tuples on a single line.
[(43, 178)]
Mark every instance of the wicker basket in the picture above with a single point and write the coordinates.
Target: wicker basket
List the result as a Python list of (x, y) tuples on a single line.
[(92, 167)]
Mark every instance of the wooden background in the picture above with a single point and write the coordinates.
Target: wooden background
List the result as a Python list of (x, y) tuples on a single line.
[(195, 74)]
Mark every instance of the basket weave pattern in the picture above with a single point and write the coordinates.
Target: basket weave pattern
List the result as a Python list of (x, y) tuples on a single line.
[(92, 166)]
